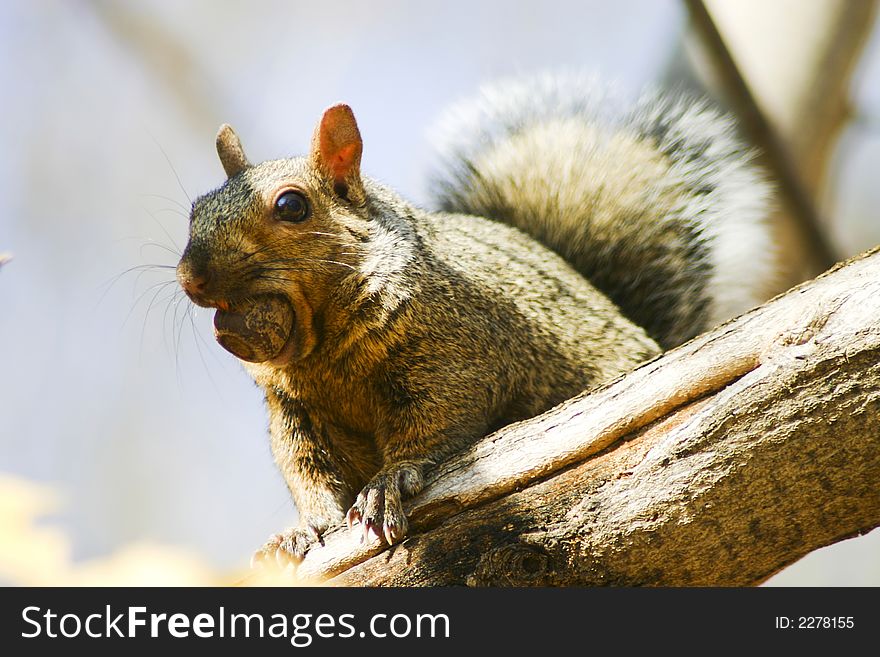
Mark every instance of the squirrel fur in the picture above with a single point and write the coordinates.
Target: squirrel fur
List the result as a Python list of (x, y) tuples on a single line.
[(412, 333)]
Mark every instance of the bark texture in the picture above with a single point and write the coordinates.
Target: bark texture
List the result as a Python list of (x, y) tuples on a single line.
[(718, 463)]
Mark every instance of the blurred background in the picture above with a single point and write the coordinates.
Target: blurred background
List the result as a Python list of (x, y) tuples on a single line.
[(133, 448)]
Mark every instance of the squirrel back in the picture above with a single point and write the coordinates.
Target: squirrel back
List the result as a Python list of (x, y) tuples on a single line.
[(656, 204)]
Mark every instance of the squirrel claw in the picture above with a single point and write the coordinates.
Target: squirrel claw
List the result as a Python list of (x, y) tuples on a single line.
[(370, 532), (393, 532), (281, 558), (262, 558), (285, 549), (353, 517), (379, 510)]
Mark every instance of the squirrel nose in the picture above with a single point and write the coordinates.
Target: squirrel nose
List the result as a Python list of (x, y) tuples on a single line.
[(195, 284), (192, 283)]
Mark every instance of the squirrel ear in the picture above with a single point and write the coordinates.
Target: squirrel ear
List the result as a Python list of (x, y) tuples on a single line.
[(229, 149), (336, 149)]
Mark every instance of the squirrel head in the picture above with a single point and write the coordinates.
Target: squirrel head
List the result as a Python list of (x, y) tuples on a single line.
[(270, 246)]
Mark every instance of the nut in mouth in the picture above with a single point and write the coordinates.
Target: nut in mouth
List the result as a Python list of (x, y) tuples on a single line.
[(257, 330)]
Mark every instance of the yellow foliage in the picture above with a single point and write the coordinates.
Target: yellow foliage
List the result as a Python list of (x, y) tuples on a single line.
[(32, 555)]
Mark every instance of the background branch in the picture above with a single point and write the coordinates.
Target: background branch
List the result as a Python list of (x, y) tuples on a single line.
[(787, 68), (759, 132)]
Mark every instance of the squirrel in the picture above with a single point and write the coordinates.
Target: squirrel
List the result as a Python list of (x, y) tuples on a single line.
[(572, 240)]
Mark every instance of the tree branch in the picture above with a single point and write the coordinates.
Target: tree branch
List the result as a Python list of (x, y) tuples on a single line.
[(736, 454)]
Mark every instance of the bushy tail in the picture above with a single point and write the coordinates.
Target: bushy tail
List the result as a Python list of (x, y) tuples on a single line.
[(656, 204)]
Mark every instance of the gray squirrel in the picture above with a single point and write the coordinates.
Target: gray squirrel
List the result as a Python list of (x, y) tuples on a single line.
[(573, 240)]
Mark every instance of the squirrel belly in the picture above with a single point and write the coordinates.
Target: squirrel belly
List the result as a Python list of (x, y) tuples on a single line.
[(656, 202), (571, 246)]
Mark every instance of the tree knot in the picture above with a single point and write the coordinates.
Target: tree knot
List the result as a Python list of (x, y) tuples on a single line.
[(519, 564)]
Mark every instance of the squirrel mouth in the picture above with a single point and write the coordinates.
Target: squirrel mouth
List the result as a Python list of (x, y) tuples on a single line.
[(257, 330)]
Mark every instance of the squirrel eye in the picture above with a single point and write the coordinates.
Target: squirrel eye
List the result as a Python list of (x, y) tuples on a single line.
[(292, 207)]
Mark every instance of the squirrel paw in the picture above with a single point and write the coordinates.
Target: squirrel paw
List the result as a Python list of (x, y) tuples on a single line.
[(379, 509), (287, 548)]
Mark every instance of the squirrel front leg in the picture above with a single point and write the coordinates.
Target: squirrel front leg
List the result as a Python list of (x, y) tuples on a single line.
[(406, 456), (315, 476), (379, 506)]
